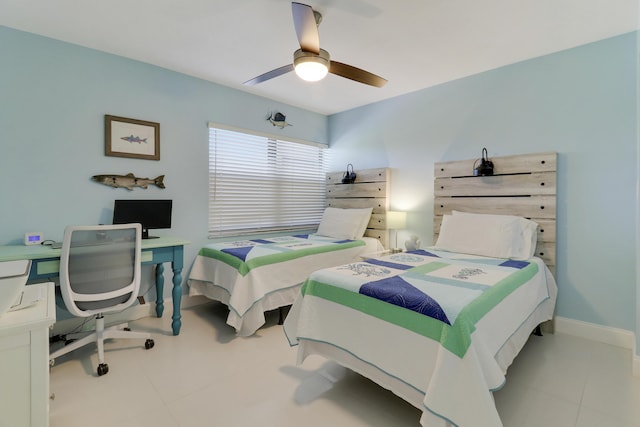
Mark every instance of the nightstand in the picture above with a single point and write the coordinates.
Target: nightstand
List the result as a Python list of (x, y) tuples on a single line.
[(378, 254)]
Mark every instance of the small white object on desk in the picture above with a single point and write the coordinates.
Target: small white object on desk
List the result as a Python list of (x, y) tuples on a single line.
[(33, 238), (29, 296), (13, 278)]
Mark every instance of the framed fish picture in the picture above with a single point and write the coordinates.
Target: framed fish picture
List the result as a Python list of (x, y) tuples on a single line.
[(132, 138)]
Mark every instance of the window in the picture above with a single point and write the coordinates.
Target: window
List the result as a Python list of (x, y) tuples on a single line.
[(260, 184)]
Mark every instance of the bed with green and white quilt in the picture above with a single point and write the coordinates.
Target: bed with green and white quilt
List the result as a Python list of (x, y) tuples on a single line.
[(437, 328), (258, 275)]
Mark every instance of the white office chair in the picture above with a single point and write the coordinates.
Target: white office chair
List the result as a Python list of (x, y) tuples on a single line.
[(100, 273)]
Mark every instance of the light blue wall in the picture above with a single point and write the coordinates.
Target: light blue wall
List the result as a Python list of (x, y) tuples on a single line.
[(580, 103), (53, 98)]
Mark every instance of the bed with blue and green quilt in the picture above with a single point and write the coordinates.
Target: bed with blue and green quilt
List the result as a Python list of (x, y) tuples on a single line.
[(258, 275), (439, 326)]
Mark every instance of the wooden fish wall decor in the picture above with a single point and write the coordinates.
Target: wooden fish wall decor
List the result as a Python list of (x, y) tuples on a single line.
[(278, 119), (128, 181)]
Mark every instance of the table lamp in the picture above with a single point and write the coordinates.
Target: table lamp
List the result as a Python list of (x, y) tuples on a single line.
[(396, 220)]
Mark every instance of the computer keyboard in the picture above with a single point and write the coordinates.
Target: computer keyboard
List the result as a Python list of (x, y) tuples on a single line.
[(58, 245)]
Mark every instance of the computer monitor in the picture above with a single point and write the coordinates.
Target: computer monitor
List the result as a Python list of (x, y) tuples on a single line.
[(151, 214)]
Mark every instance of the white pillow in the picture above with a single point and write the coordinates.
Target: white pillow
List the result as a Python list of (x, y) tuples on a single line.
[(528, 228), (344, 223), (499, 236)]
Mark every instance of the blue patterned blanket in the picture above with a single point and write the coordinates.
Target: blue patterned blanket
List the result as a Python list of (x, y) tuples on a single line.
[(245, 255), (453, 291)]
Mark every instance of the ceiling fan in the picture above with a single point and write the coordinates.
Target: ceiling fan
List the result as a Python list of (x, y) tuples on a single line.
[(310, 62)]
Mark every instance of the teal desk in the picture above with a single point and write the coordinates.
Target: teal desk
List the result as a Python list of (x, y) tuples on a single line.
[(45, 264)]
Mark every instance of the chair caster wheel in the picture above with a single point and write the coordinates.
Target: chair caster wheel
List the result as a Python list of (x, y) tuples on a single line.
[(149, 344), (103, 368)]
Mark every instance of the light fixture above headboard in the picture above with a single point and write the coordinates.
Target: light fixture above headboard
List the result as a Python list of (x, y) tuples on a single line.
[(370, 189), (522, 185)]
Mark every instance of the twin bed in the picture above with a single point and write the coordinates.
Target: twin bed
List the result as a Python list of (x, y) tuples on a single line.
[(254, 276), (439, 326)]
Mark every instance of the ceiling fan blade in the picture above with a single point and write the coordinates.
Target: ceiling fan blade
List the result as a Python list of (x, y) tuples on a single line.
[(306, 28), (269, 75), (356, 74)]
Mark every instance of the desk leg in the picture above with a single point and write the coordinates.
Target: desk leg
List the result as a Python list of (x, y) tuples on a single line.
[(177, 298), (159, 289)]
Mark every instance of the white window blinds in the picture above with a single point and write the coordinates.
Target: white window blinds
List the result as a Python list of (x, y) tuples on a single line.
[(258, 184)]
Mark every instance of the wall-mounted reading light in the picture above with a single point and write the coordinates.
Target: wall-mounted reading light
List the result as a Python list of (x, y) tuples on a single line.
[(486, 166), (349, 176)]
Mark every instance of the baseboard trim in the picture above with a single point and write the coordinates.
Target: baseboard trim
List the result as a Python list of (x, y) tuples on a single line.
[(636, 362), (604, 334)]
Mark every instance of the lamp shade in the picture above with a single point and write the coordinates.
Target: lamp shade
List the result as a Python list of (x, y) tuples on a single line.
[(311, 71), (311, 66), (396, 220)]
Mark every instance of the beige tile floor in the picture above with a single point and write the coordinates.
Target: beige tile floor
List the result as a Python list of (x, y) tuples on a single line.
[(208, 377)]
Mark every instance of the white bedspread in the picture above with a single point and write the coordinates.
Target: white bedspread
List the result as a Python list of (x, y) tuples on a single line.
[(264, 287), (449, 381)]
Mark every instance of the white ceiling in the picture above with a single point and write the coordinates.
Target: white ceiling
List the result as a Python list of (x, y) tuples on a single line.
[(414, 44)]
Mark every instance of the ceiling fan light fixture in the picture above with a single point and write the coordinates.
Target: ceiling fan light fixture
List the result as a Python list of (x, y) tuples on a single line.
[(310, 66), (310, 62), (311, 71)]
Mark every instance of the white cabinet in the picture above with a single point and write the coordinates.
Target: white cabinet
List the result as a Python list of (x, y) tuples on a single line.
[(24, 362)]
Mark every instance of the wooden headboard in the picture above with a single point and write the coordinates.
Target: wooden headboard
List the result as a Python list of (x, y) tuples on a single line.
[(523, 185), (370, 189)]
